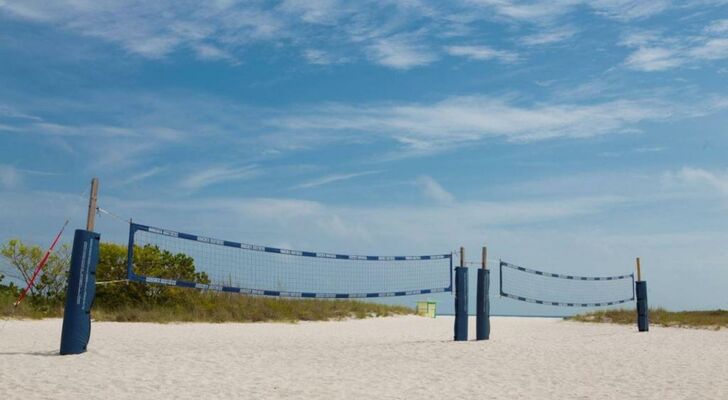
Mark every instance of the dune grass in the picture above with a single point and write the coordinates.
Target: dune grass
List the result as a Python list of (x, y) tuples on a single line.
[(26, 309), (710, 319), (215, 307)]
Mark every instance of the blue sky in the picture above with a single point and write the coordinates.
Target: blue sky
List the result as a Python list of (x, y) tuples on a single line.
[(571, 136)]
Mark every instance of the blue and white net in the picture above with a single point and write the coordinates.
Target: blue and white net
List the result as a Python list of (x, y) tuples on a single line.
[(260, 270), (548, 288)]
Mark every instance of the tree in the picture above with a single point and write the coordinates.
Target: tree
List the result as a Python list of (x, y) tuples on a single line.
[(149, 261), (51, 283)]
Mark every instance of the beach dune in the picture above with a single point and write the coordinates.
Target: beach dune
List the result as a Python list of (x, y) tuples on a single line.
[(381, 358)]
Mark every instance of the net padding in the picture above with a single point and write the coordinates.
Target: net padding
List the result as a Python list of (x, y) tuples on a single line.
[(260, 270), (562, 290)]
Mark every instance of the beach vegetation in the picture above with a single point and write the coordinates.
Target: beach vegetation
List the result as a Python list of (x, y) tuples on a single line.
[(120, 300), (710, 319)]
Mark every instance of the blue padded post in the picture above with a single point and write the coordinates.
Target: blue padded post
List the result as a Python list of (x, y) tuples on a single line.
[(461, 303), (643, 317), (80, 293), (482, 322)]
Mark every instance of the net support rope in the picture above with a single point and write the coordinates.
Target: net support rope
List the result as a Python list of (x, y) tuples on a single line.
[(547, 288)]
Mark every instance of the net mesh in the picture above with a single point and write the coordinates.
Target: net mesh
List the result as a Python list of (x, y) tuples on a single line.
[(548, 288), (238, 267)]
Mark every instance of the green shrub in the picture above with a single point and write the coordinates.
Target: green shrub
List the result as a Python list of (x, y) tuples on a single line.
[(148, 260), (659, 316), (50, 285)]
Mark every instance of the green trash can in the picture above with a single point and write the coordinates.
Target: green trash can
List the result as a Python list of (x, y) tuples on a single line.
[(427, 308)]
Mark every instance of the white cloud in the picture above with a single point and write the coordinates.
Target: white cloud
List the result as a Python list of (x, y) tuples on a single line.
[(654, 59), (546, 12), (717, 181), (434, 191), (656, 52), (320, 226), (317, 56), (322, 57), (383, 32), (482, 53), (427, 128), (719, 26), (156, 29), (7, 112), (549, 36), (400, 52), (325, 180), (626, 10), (214, 175), (143, 175), (151, 127), (541, 11), (712, 49), (137, 125), (315, 11), (9, 176), (209, 52), (222, 30), (652, 149)]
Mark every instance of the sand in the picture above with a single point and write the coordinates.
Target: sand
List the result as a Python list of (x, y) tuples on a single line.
[(384, 358)]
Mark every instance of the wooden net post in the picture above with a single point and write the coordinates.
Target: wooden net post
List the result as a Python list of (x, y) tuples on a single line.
[(639, 270), (93, 197)]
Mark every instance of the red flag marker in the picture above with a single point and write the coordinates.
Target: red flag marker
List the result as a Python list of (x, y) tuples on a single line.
[(41, 264)]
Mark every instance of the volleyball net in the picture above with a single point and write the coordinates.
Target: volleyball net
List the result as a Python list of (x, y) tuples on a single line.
[(541, 287), (167, 257)]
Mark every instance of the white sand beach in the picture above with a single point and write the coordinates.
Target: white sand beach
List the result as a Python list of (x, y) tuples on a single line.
[(384, 358)]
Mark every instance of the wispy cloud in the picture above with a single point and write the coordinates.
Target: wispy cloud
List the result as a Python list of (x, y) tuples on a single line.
[(143, 175), (428, 128), (400, 52), (549, 36), (10, 113), (154, 127), (717, 181), (434, 191), (656, 52), (541, 11), (547, 12), (718, 26), (323, 12), (223, 30), (654, 59), (322, 57), (215, 175), (627, 10), (382, 32), (9, 176), (158, 29), (129, 128), (482, 53), (209, 52), (327, 179), (652, 149)]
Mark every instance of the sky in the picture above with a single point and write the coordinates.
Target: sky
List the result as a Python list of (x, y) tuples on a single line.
[(568, 136)]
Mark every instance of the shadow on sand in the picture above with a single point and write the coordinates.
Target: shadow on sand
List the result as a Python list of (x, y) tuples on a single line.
[(49, 353)]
